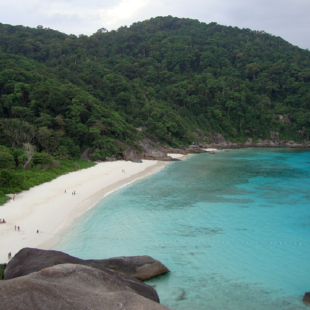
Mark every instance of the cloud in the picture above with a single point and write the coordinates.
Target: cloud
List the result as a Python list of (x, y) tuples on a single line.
[(285, 18)]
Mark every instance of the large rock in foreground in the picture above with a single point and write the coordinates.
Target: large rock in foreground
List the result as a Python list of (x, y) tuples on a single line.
[(139, 267), (69, 286), (30, 260)]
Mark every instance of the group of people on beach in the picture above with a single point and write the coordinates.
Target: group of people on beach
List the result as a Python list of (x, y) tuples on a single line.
[(18, 228), (73, 193), (2, 221)]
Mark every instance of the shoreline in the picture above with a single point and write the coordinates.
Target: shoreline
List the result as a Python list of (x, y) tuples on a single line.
[(50, 210), (91, 201)]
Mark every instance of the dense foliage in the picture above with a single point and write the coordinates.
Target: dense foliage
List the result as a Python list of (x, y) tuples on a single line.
[(43, 169), (167, 75), (2, 267)]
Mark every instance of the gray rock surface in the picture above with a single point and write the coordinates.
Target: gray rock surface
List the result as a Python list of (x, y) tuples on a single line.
[(69, 286), (219, 138), (306, 298), (30, 260), (130, 153), (171, 150), (110, 158), (139, 267), (136, 160), (150, 149)]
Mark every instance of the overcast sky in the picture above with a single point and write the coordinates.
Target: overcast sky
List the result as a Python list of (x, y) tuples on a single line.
[(288, 19)]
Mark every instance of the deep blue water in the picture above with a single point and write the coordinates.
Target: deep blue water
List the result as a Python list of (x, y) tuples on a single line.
[(233, 228)]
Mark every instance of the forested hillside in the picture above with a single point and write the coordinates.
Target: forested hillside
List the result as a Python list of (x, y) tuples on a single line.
[(168, 76)]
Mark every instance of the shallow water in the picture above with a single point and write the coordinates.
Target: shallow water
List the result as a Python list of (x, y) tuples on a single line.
[(233, 228)]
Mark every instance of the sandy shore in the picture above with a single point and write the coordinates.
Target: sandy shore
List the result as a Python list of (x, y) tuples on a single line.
[(50, 210), (211, 150)]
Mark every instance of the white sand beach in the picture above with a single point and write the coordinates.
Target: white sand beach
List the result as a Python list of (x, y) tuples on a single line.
[(210, 150), (178, 156), (50, 210)]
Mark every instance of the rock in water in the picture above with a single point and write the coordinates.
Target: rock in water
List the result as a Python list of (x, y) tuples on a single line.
[(69, 286), (139, 267), (306, 298), (30, 260)]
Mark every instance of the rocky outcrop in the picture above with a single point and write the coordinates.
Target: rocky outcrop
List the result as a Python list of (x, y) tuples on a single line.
[(218, 141), (136, 160), (139, 267), (306, 298), (70, 286), (170, 150), (219, 138), (30, 260), (130, 154), (195, 149), (110, 159), (150, 149)]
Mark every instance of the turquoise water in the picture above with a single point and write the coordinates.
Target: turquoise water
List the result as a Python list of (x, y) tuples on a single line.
[(233, 228)]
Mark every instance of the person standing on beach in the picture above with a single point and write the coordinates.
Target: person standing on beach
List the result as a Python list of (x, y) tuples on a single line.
[(9, 256), (14, 197), (18, 228), (15, 227)]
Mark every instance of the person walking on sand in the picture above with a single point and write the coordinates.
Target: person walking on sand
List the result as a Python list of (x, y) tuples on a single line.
[(65, 191), (15, 227), (9, 256), (18, 228)]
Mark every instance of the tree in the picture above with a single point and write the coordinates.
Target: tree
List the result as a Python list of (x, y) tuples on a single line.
[(29, 152), (6, 158), (252, 69), (49, 138), (17, 132)]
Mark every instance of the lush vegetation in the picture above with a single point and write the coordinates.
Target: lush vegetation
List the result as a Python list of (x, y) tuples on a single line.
[(42, 168), (61, 94), (2, 267)]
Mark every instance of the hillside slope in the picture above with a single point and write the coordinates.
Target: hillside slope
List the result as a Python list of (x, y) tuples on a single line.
[(168, 76)]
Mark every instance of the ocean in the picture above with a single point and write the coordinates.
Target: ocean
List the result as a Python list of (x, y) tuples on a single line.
[(233, 228)]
